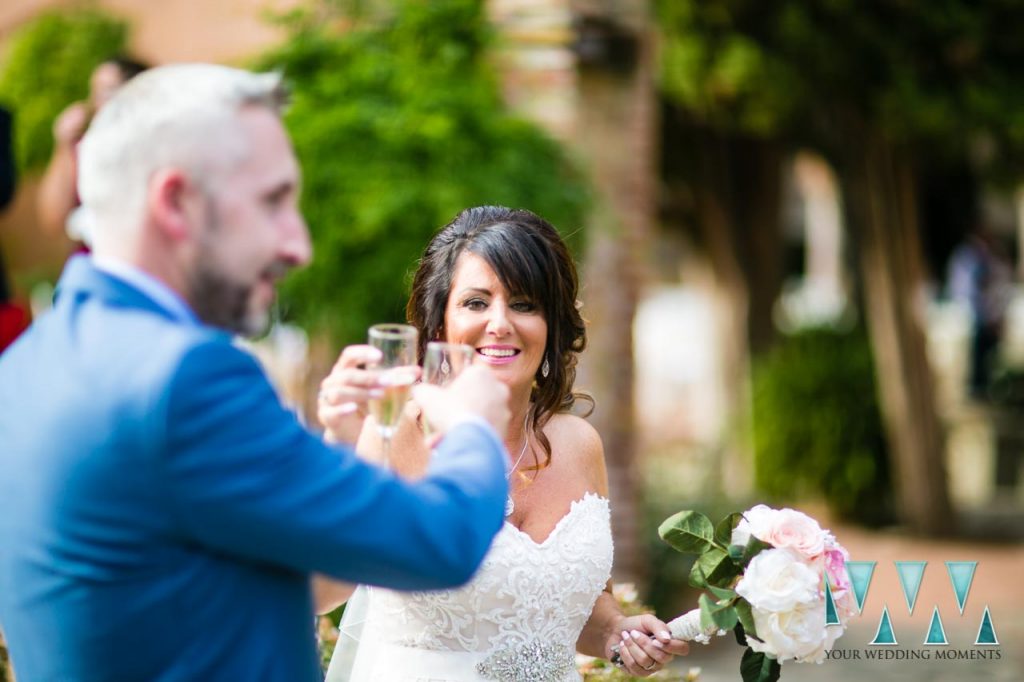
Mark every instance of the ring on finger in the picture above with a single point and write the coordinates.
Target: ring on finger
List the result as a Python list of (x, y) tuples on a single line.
[(654, 664)]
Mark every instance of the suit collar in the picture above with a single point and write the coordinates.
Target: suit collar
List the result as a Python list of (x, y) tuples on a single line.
[(81, 276)]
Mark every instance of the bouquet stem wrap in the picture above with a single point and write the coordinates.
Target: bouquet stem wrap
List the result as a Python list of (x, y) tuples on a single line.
[(687, 627)]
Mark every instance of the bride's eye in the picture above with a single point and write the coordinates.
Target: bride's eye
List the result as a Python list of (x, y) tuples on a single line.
[(524, 306), (475, 304)]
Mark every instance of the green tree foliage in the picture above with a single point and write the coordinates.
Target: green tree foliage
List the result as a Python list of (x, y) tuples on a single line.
[(817, 427), (936, 74), (398, 124), (47, 67)]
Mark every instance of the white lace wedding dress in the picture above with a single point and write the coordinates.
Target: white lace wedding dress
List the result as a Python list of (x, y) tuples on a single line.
[(517, 620)]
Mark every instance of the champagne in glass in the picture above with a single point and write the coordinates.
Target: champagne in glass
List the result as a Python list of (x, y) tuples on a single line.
[(387, 410), (442, 363), (397, 344)]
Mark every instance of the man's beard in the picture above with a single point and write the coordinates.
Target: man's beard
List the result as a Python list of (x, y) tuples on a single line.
[(221, 302)]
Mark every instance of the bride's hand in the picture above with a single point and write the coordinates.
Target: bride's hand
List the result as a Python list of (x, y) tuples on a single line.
[(644, 645), (341, 402)]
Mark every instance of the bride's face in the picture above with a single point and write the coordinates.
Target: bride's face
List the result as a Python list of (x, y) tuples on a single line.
[(508, 332)]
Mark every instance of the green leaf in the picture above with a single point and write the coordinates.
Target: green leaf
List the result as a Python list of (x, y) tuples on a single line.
[(722, 592), (746, 616), (688, 531), (697, 578), (721, 616), (723, 531), (736, 552), (725, 618), (706, 607), (715, 567), (759, 667)]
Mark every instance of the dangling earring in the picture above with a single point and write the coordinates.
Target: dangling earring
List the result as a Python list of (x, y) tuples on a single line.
[(445, 367), (545, 369)]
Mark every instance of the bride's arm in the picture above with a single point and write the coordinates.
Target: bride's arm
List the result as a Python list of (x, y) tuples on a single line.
[(603, 628), (644, 641)]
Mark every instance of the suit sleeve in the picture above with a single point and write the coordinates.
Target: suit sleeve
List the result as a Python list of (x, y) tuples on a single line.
[(245, 478)]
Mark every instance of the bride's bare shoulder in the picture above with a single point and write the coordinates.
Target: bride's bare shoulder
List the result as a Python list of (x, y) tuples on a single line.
[(576, 444)]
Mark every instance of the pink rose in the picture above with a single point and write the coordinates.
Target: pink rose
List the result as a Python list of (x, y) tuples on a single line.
[(835, 566), (797, 531), (846, 604)]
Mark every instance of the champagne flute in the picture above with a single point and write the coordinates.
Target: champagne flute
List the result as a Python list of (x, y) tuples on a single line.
[(397, 344), (442, 363)]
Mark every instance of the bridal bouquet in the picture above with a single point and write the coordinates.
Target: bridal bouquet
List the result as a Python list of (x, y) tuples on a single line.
[(775, 577)]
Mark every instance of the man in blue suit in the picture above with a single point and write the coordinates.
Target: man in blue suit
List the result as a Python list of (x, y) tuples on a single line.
[(160, 511)]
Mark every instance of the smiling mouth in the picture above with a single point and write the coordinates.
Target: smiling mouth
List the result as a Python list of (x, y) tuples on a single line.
[(498, 353)]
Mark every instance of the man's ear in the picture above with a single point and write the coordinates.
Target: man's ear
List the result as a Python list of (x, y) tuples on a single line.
[(171, 202)]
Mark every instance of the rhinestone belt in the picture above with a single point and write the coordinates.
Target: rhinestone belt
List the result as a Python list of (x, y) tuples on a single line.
[(530, 662)]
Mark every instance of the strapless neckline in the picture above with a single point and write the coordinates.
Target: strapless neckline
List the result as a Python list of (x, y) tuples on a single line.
[(562, 522)]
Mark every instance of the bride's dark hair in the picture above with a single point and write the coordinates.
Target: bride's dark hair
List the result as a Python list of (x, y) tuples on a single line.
[(531, 260)]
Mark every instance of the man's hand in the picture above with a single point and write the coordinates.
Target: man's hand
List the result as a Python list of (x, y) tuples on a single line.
[(476, 391)]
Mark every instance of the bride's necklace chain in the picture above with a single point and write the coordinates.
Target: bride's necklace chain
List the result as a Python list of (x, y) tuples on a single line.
[(510, 505)]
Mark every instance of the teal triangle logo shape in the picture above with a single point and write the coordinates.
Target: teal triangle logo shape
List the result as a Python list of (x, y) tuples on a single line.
[(885, 635), (936, 633), (831, 613), (986, 631), (961, 575), (911, 573), (860, 573)]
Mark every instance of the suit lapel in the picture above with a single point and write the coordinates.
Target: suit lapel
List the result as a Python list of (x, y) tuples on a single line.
[(81, 279)]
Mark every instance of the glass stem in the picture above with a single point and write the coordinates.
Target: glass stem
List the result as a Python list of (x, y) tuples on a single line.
[(385, 449)]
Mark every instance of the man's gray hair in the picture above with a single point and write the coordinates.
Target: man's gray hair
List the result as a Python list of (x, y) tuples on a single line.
[(182, 116)]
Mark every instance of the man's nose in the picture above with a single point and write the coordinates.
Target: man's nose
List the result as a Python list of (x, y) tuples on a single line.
[(296, 246)]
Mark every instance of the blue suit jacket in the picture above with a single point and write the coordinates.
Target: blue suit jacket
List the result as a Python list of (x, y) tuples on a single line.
[(160, 511)]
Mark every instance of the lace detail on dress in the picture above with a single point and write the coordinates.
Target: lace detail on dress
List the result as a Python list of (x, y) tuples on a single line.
[(525, 595)]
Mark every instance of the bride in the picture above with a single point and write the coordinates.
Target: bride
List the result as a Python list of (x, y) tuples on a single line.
[(503, 282)]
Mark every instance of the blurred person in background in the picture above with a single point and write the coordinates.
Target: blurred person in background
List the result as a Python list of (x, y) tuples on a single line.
[(57, 199), (981, 279)]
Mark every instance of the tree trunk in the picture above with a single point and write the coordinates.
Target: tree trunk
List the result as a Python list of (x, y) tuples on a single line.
[(716, 218), (881, 202), (758, 166), (736, 185), (615, 135)]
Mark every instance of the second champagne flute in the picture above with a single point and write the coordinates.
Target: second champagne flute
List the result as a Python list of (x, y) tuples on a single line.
[(397, 344), (442, 362)]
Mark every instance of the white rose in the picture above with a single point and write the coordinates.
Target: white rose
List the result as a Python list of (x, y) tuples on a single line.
[(756, 521), (778, 580), (832, 633), (796, 530), (798, 634)]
